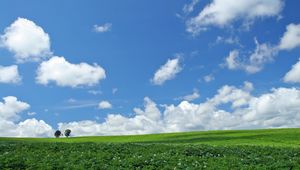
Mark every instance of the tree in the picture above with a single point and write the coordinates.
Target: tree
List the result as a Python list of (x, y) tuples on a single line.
[(67, 132), (57, 133)]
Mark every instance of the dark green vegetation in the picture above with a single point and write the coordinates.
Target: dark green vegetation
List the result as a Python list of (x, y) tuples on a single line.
[(251, 149), (150, 156)]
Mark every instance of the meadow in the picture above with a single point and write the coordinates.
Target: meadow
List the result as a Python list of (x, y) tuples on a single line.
[(238, 149)]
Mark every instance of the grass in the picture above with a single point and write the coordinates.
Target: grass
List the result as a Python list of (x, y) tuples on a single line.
[(264, 137), (233, 149)]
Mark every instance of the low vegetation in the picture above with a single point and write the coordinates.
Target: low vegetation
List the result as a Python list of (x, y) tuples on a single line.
[(253, 149)]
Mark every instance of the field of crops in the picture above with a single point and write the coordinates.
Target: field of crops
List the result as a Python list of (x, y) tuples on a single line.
[(256, 149)]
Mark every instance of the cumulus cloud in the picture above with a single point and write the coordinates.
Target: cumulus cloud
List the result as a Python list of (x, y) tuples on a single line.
[(221, 13), (10, 74), (10, 108), (275, 109), (291, 38), (190, 97), (26, 40), (145, 121), (231, 108), (9, 117), (279, 108), (34, 128), (63, 73), (293, 76), (103, 28), (264, 53), (104, 105), (167, 71)]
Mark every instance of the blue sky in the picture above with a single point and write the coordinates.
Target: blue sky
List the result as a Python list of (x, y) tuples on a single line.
[(187, 65)]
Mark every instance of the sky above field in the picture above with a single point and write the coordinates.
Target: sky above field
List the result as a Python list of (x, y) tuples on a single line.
[(136, 67)]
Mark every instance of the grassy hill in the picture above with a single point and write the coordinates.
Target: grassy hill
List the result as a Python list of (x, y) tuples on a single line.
[(263, 137), (233, 149)]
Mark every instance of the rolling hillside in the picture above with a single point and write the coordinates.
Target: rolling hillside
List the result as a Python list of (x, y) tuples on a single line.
[(263, 137), (238, 149)]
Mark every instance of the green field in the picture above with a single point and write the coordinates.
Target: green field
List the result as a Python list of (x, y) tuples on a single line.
[(239, 149)]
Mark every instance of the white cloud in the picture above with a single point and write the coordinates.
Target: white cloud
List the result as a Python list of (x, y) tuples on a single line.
[(293, 76), (95, 92), (222, 13), (277, 108), (9, 116), (31, 113), (167, 71), (188, 8), (209, 78), (63, 73), (34, 128), (104, 105), (231, 108), (77, 104), (228, 40), (103, 28), (71, 100), (10, 108), (282, 103), (264, 111), (238, 97), (291, 38), (193, 96), (248, 86), (190, 97), (264, 53), (145, 121), (231, 60), (26, 40), (10, 74)]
